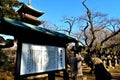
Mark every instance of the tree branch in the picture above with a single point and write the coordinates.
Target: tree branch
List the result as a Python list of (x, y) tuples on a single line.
[(90, 22), (85, 33), (115, 33), (111, 46)]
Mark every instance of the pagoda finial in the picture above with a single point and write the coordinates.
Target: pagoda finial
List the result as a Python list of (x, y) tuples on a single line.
[(29, 2)]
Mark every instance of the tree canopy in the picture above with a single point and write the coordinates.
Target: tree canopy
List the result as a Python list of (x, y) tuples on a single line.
[(7, 8)]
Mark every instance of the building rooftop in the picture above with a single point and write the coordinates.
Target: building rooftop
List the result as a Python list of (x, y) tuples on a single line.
[(30, 10), (33, 34)]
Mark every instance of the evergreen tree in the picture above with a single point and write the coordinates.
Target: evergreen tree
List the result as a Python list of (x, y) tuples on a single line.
[(7, 8)]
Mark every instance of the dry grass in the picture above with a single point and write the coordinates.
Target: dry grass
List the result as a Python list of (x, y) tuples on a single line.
[(9, 76), (6, 76)]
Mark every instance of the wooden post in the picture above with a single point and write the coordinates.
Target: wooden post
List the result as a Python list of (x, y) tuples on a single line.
[(65, 72), (65, 75), (18, 58), (74, 68), (51, 75)]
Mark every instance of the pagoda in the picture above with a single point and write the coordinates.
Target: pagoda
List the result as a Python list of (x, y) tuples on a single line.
[(30, 15)]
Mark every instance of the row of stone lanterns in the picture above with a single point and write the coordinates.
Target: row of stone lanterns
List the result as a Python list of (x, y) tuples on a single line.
[(108, 59)]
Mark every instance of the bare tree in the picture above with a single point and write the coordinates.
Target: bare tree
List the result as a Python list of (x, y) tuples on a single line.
[(95, 28), (71, 21), (97, 24), (114, 27), (50, 26)]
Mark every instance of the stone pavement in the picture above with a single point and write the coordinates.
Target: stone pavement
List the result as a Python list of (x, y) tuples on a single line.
[(115, 72)]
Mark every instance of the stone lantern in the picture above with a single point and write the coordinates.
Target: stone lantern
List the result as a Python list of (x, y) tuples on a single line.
[(116, 63), (109, 60)]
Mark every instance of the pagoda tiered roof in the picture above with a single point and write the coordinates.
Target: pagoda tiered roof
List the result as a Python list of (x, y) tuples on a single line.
[(30, 15)]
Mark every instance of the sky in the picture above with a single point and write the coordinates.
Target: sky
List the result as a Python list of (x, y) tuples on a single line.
[(55, 9)]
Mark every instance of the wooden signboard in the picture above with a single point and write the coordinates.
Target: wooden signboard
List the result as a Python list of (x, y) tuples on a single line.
[(41, 58)]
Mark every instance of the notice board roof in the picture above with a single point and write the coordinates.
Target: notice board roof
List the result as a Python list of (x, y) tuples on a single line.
[(33, 34)]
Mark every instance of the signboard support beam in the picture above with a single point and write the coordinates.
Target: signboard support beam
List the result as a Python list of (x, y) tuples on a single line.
[(51, 76), (18, 58), (65, 75), (65, 72)]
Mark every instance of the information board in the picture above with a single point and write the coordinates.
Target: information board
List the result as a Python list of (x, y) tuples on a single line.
[(41, 58)]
